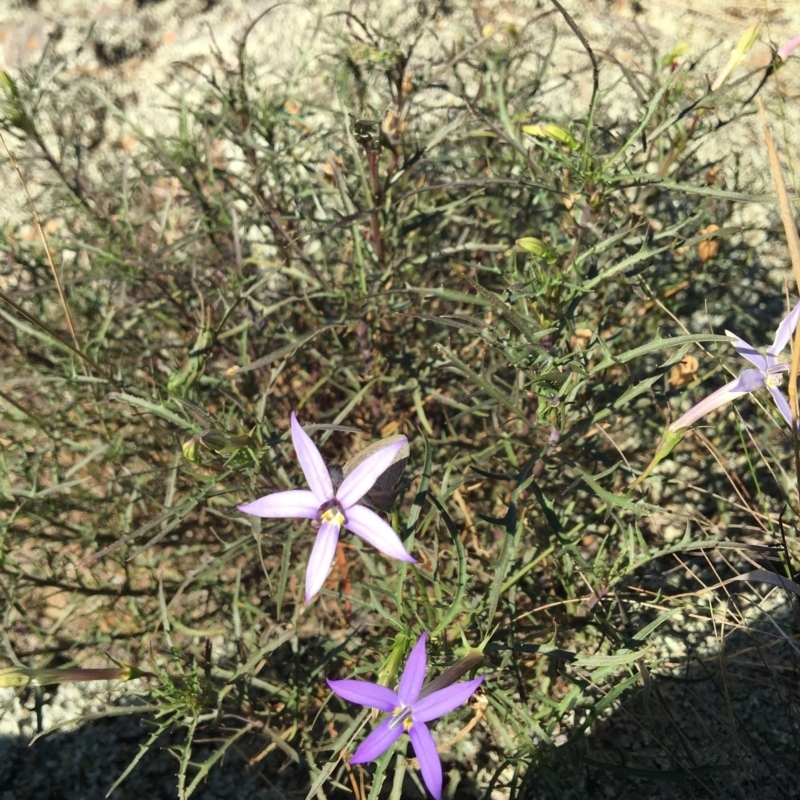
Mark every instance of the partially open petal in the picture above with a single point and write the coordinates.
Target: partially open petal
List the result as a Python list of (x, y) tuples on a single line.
[(296, 503), (746, 350), (748, 381), (782, 403), (321, 559), (414, 673), (372, 695), (319, 481), (784, 332), (439, 703), (363, 477), (429, 764), (787, 49), (379, 741), (373, 530)]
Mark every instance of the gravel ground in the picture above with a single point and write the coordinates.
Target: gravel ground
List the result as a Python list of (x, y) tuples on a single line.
[(737, 687)]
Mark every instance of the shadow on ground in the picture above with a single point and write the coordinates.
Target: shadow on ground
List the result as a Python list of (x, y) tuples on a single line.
[(725, 724), (83, 764)]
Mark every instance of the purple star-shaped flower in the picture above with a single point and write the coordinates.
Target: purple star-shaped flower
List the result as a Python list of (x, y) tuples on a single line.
[(410, 708), (769, 372), (332, 509)]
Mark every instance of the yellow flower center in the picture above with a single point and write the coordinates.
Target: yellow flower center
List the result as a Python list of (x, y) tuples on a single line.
[(774, 379), (401, 716), (333, 515), (774, 375)]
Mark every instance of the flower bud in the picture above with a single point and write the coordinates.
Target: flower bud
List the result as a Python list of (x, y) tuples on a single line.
[(552, 132), (221, 442), (738, 54), (537, 248), (472, 660), (214, 439), (191, 451)]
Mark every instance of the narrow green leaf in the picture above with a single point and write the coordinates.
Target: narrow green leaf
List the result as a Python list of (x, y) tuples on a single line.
[(640, 509), (644, 633), (621, 659), (623, 266), (655, 346), (665, 447), (286, 351), (455, 604), (481, 382), (337, 746), (507, 555), (533, 333), (156, 409)]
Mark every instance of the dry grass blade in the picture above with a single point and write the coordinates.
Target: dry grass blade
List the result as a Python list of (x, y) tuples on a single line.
[(42, 236), (793, 243)]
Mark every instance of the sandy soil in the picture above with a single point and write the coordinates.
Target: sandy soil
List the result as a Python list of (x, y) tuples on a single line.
[(138, 55)]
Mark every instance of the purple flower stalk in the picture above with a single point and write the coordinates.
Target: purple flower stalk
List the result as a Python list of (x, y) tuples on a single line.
[(332, 509), (769, 372), (409, 708)]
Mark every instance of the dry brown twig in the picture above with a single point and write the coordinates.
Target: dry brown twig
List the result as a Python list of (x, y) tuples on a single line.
[(793, 243)]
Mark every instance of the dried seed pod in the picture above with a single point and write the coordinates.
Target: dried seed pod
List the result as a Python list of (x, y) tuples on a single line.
[(708, 248), (684, 372)]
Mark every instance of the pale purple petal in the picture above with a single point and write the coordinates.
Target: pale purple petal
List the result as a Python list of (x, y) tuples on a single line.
[(429, 764), (784, 333), (319, 481), (787, 49), (296, 503), (378, 742), (746, 350), (321, 559), (782, 403), (373, 530), (363, 477), (372, 695), (748, 381), (444, 701), (414, 673)]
